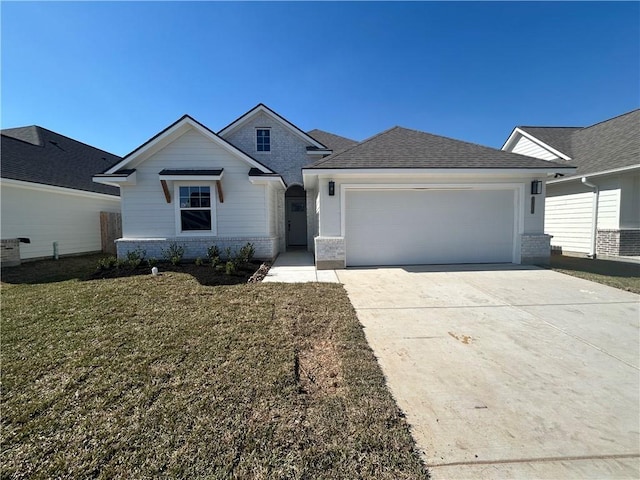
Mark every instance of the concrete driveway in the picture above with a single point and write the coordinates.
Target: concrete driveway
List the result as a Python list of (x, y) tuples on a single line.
[(508, 371)]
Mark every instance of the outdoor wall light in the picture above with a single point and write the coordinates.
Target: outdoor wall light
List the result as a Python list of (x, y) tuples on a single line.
[(332, 188), (536, 187)]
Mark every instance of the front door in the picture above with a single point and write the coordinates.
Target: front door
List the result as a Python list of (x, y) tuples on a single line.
[(296, 221)]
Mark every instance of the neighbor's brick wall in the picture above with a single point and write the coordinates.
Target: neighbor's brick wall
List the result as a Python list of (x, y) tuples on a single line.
[(535, 249), (330, 253), (618, 242), (266, 247)]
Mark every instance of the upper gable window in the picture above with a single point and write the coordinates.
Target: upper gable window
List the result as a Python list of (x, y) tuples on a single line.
[(263, 140)]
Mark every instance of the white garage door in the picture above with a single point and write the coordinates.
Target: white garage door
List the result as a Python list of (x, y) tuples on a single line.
[(408, 227)]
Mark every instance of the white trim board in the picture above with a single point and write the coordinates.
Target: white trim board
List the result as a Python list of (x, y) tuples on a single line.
[(55, 189)]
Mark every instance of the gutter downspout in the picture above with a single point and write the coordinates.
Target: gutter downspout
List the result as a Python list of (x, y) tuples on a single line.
[(594, 215)]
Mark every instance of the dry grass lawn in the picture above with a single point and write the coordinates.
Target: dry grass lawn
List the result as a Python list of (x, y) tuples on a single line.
[(625, 276), (146, 377)]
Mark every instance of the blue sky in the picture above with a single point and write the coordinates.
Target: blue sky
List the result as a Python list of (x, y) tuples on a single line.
[(114, 74)]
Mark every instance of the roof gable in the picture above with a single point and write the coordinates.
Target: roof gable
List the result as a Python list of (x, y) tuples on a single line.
[(558, 138), (37, 155), (403, 148), (552, 135), (175, 131), (609, 145), (261, 108)]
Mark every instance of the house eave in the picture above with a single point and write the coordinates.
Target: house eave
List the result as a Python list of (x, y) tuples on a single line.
[(191, 175), (436, 171), (57, 189), (602, 173), (310, 175), (320, 152), (115, 179)]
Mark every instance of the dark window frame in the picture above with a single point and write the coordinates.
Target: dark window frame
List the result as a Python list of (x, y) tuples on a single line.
[(263, 140)]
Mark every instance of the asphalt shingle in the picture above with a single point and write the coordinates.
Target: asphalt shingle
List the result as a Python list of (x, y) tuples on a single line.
[(608, 145), (404, 148), (35, 154), (331, 140)]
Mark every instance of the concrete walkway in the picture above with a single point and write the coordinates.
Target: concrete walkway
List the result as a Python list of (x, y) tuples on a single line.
[(506, 371), (298, 267)]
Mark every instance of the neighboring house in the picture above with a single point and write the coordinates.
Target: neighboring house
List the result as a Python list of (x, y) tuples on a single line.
[(401, 197), (596, 210), (47, 193)]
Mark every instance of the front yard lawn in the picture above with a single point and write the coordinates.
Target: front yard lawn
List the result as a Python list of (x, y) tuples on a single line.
[(144, 377), (625, 276)]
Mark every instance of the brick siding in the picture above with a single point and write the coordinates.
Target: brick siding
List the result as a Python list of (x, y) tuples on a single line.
[(618, 242), (266, 247), (535, 249), (330, 253)]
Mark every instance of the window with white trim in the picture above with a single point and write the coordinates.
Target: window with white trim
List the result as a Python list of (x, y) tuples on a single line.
[(195, 208), (263, 140)]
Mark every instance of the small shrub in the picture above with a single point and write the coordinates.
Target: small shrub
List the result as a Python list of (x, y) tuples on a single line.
[(227, 254), (107, 263), (121, 263), (199, 262), (212, 252), (135, 257), (246, 253), (230, 268), (174, 253), (152, 262)]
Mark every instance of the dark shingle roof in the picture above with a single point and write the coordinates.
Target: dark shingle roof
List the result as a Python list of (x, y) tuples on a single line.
[(35, 154), (403, 148), (556, 137), (614, 143), (331, 140)]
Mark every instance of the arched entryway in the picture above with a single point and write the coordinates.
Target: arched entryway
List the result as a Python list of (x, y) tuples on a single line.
[(295, 217)]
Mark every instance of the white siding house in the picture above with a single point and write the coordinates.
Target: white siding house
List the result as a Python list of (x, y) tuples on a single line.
[(47, 195), (44, 215), (399, 197), (248, 170), (599, 215)]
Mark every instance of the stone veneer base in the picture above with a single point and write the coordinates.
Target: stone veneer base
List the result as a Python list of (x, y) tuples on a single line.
[(535, 249), (329, 252), (266, 247)]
